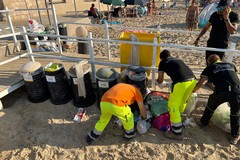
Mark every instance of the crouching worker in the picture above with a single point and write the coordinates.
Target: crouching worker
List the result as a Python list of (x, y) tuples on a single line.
[(116, 102), (227, 89), (183, 84)]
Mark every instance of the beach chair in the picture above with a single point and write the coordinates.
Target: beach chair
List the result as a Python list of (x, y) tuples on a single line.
[(173, 5)]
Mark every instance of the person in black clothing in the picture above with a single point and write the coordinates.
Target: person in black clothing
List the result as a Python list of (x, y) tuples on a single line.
[(224, 22), (227, 89), (183, 84)]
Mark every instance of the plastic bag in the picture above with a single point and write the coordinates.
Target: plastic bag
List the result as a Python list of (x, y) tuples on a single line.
[(158, 102), (205, 14), (162, 122), (221, 117), (189, 122), (143, 126), (52, 67), (191, 104)]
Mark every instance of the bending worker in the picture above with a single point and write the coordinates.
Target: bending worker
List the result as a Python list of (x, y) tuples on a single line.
[(116, 102), (183, 83), (227, 89)]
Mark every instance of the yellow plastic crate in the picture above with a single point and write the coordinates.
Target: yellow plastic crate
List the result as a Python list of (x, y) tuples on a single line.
[(145, 51)]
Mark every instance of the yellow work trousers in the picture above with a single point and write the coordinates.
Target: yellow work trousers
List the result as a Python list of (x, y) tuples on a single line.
[(123, 113), (178, 98)]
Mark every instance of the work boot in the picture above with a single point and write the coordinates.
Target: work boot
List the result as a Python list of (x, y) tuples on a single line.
[(171, 135), (235, 139), (129, 137), (201, 126), (89, 140)]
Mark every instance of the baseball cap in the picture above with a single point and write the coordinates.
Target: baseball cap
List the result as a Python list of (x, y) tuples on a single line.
[(223, 3)]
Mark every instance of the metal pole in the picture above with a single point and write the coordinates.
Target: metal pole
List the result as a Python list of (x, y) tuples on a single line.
[(99, 8), (40, 18), (107, 43), (27, 10), (230, 55), (56, 28), (12, 31), (27, 43), (48, 11), (75, 7), (91, 52), (154, 63)]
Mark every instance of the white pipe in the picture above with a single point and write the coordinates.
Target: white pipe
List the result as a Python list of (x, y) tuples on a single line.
[(107, 43), (9, 35), (16, 48), (91, 52), (27, 43), (32, 9), (56, 29), (229, 55), (13, 59), (154, 57), (7, 28)]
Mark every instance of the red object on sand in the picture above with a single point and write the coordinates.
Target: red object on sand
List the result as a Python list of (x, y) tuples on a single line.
[(30, 21)]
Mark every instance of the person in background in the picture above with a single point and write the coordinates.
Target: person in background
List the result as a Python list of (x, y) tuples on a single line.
[(227, 89), (116, 102), (95, 13), (192, 16), (223, 22), (183, 84), (124, 11)]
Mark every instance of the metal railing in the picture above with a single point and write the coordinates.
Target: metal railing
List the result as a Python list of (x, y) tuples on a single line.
[(90, 40)]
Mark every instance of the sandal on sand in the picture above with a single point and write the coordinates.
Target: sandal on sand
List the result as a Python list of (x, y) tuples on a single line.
[(171, 135), (235, 139)]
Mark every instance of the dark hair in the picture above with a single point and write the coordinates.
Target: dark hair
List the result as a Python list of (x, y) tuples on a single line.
[(93, 5), (224, 3), (212, 59), (165, 54)]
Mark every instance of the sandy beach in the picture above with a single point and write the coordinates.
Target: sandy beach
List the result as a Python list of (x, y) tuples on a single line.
[(45, 131)]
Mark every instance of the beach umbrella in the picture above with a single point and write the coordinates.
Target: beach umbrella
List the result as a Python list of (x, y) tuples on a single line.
[(136, 2), (113, 2)]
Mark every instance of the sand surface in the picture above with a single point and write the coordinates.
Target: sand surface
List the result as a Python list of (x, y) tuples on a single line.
[(47, 131)]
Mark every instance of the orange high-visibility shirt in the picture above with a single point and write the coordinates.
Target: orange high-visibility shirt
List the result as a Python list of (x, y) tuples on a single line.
[(122, 94)]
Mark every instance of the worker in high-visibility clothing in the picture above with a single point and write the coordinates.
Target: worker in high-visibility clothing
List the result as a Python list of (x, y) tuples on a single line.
[(116, 102), (183, 84)]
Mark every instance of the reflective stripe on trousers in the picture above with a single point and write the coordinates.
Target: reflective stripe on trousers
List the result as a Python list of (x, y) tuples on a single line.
[(123, 113), (177, 103)]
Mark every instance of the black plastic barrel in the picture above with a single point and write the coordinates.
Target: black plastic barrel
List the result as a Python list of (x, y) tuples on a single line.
[(35, 82), (106, 78), (58, 85), (62, 29), (30, 37), (90, 98), (81, 31), (82, 48), (137, 76)]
